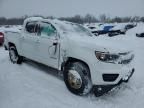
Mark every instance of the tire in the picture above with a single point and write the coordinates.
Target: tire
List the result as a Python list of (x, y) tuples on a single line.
[(77, 78), (109, 34), (137, 34), (14, 56), (123, 33)]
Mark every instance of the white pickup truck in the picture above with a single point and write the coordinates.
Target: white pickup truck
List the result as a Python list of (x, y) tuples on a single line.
[(73, 50)]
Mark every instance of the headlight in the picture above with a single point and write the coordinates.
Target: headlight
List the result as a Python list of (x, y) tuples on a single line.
[(106, 57)]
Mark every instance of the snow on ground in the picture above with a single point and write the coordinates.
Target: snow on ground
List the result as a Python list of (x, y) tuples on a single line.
[(32, 85)]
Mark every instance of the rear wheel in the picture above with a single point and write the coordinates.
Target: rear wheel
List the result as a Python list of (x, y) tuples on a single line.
[(14, 56), (77, 78)]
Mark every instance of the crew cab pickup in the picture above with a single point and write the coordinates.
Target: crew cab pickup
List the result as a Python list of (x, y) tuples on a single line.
[(73, 50)]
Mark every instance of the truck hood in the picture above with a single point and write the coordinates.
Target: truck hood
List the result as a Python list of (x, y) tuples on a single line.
[(96, 44)]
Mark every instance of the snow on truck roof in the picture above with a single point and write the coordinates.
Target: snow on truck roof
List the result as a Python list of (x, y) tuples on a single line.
[(47, 20), (33, 18), (41, 19), (53, 21), (62, 26)]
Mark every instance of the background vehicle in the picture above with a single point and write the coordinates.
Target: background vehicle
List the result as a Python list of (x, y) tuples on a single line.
[(140, 34), (1, 38), (99, 29), (130, 26), (93, 28), (117, 29), (73, 50)]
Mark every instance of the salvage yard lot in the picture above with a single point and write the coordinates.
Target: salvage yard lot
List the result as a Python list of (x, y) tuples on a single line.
[(32, 85)]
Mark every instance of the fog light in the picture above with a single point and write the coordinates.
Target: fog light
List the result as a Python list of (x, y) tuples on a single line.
[(125, 78)]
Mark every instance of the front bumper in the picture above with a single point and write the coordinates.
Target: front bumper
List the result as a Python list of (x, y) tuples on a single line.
[(128, 76), (99, 90)]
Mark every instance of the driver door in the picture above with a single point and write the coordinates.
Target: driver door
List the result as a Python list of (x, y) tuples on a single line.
[(48, 49)]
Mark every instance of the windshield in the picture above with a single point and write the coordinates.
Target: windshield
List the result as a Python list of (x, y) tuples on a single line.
[(74, 28)]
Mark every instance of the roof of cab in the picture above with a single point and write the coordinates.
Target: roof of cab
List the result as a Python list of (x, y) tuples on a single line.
[(53, 21), (42, 19), (33, 18)]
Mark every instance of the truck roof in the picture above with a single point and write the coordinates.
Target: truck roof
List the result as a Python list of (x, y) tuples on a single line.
[(62, 26), (53, 21), (45, 19)]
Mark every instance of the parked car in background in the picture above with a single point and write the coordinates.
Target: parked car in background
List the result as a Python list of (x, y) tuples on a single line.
[(99, 29), (140, 34), (1, 38), (70, 48), (117, 29), (107, 28), (94, 30), (7, 26), (130, 26)]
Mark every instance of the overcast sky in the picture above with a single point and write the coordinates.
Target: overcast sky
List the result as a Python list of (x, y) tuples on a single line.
[(59, 8)]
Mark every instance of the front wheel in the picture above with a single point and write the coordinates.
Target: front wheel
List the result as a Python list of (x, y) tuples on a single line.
[(14, 56), (77, 78)]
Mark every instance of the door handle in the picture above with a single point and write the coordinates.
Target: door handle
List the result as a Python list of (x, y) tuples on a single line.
[(55, 43)]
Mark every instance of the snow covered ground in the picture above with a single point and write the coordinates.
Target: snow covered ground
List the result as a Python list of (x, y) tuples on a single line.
[(32, 85)]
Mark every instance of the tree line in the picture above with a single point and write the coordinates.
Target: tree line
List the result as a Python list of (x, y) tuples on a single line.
[(77, 19)]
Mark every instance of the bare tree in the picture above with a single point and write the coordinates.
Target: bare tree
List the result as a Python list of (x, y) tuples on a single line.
[(76, 19), (142, 19), (117, 19), (102, 18)]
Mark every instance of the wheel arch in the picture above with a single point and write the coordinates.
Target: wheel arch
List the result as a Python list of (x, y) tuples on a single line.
[(71, 59), (11, 44)]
